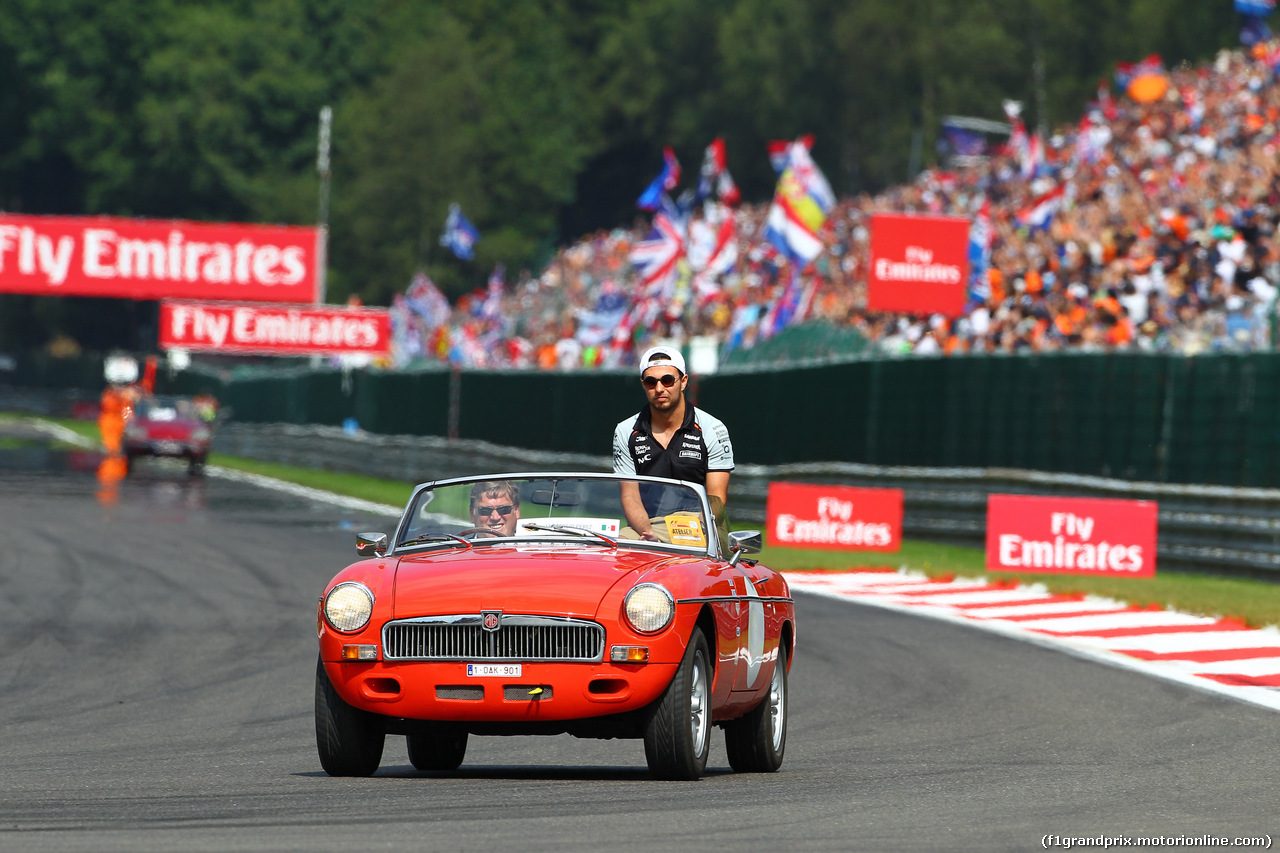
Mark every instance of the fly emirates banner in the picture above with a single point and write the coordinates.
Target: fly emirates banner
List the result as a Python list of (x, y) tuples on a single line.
[(919, 264), (833, 518), (1094, 536), (150, 259), (274, 329)]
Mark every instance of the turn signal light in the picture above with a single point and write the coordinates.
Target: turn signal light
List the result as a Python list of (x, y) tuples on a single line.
[(629, 654), (354, 652)]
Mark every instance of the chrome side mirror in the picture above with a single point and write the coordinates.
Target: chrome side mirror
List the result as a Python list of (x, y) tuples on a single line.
[(743, 542), (371, 544)]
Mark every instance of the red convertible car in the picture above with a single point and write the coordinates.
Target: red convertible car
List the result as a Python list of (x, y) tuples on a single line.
[(167, 426), (522, 604)]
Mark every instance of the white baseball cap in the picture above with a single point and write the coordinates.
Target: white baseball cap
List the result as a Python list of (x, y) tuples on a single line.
[(662, 356)]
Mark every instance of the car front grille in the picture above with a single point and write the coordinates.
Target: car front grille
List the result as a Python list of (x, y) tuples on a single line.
[(518, 638)]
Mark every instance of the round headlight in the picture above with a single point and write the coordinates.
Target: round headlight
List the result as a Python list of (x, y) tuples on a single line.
[(348, 606), (649, 608)]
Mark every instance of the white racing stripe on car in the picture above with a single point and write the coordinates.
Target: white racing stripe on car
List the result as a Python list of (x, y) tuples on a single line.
[(1212, 655)]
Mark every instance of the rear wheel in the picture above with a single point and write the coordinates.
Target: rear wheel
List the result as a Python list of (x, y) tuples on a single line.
[(441, 749), (348, 739), (757, 741), (677, 737)]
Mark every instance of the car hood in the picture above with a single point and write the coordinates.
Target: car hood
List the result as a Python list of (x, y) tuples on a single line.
[(560, 580)]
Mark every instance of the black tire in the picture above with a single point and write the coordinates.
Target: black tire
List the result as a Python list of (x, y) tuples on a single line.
[(442, 749), (195, 466), (677, 737), (348, 739), (757, 741)]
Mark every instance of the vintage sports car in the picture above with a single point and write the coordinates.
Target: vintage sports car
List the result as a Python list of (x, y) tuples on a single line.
[(521, 604), (167, 426)]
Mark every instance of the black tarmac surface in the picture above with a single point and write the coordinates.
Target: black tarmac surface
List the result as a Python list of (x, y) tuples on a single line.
[(156, 694)]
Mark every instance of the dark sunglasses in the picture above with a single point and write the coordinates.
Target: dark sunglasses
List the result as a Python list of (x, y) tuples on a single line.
[(667, 380), (486, 511)]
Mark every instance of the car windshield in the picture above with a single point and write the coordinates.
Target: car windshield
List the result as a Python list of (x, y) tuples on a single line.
[(164, 409), (585, 508)]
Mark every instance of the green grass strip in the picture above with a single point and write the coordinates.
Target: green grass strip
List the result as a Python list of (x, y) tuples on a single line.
[(1253, 602)]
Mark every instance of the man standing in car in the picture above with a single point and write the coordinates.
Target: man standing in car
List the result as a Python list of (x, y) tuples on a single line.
[(669, 438)]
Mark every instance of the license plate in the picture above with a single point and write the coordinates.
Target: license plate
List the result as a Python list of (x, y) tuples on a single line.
[(168, 448), (493, 670)]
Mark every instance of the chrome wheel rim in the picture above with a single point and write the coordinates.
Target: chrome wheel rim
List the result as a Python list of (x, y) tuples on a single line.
[(698, 717), (777, 705)]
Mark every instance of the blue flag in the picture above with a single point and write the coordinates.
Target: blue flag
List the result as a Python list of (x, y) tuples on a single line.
[(652, 197), (459, 235), (1256, 8)]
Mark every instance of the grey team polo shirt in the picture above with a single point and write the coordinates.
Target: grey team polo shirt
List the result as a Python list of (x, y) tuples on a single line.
[(700, 444)]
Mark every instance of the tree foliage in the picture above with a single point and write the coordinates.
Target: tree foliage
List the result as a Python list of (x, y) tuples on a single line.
[(543, 118)]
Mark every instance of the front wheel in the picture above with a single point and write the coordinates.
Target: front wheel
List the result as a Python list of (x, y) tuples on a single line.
[(440, 750), (677, 737), (757, 740), (348, 739)]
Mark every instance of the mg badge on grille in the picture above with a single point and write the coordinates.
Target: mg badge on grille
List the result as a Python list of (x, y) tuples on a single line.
[(491, 619)]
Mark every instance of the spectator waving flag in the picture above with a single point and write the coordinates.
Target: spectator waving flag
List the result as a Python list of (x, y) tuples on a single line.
[(780, 151), (491, 307), (655, 258), (715, 175), (980, 238), (1037, 215), (426, 300), (717, 255), (651, 198), (800, 207), (459, 235)]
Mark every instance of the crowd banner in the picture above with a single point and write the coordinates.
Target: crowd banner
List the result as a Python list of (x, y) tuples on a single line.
[(241, 328), (918, 264), (1062, 535), (156, 259), (833, 518)]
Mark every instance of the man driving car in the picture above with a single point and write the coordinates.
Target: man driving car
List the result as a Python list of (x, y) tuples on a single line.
[(495, 506)]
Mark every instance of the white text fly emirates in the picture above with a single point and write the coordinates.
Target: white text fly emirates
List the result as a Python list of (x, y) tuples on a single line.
[(834, 525), (108, 255), (1064, 554), (250, 327), (918, 266)]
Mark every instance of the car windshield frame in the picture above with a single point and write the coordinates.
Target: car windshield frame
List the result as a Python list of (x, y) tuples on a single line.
[(715, 533)]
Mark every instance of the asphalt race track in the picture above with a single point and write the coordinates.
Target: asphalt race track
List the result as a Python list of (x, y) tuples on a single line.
[(157, 674)]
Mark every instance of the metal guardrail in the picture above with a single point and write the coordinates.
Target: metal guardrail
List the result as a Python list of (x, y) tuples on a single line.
[(1203, 528)]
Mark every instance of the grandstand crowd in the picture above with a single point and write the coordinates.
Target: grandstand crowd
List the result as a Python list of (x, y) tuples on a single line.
[(1165, 240)]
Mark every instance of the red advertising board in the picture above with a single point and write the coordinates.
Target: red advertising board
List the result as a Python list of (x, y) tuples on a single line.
[(274, 329), (833, 518), (1054, 535), (150, 259), (919, 264)]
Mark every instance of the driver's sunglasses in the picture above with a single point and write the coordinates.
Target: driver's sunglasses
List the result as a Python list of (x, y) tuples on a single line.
[(486, 511), (667, 380)]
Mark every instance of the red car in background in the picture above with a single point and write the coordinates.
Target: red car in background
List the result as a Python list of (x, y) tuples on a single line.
[(167, 427), (524, 604)]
